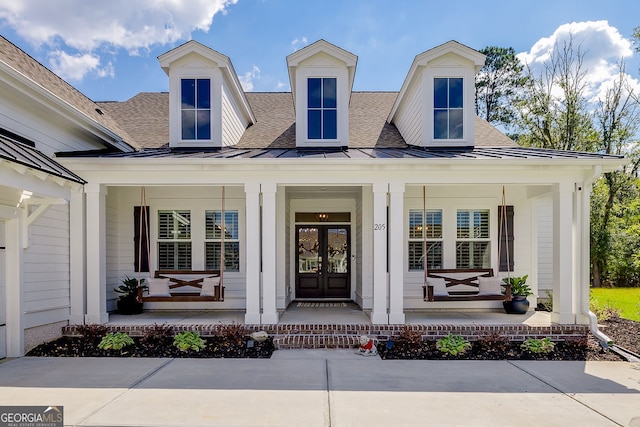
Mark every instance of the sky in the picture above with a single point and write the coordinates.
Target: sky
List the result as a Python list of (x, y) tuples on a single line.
[(109, 49)]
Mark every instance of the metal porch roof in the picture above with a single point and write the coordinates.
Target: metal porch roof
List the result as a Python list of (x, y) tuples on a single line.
[(15, 151)]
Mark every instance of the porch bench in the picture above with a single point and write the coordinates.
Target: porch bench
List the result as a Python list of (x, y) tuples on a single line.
[(179, 283), (463, 281)]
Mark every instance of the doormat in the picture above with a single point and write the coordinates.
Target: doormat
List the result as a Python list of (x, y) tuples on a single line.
[(321, 304)]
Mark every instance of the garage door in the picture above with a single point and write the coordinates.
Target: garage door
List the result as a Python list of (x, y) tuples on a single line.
[(3, 303)]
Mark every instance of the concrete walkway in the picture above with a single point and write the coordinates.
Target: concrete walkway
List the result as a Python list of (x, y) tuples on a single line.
[(325, 388)]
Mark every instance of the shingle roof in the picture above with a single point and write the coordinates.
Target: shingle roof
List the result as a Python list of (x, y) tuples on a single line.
[(16, 151), (19, 60), (146, 118)]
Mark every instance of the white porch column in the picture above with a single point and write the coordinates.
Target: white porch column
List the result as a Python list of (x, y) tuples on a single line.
[(77, 251), (96, 255), (379, 313), (252, 193), (396, 249), (583, 252), (269, 249), (14, 293), (564, 256)]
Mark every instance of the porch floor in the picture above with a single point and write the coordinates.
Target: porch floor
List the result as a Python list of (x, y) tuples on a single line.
[(350, 314)]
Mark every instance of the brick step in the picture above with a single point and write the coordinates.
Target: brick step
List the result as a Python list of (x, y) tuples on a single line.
[(295, 341)]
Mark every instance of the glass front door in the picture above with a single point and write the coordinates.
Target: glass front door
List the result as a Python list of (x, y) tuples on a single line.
[(322, 261)]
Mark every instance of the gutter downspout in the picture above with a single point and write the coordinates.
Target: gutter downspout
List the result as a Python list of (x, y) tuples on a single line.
[(586, 208)]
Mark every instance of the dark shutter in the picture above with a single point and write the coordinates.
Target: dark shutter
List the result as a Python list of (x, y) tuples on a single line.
[(141, 239), (507, 231)]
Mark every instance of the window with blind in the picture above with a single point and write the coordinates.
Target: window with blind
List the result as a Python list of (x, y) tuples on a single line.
[(423, 226), (473, 241), (174, 240), (213, 240)]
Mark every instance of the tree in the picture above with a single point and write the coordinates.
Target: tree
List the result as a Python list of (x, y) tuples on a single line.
[(617, 119), (552, 108), (497, 84)]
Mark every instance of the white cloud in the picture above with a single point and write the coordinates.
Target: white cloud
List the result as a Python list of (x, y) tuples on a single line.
[(246, 80), (299, 43), (601, 44), (76, 67), (87, 26), (282, 87)]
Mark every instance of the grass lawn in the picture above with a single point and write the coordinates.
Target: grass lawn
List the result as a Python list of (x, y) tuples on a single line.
[(626, 300)]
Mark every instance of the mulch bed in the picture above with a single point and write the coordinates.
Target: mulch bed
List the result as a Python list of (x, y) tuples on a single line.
[(216, 347), (623, 332)]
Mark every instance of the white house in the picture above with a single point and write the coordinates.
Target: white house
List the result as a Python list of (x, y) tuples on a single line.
[(326, 192)]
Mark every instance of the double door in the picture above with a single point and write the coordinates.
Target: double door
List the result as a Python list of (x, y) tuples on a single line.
[(323, 261)]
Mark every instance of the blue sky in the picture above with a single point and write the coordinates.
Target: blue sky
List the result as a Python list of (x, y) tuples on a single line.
[(109, 50)]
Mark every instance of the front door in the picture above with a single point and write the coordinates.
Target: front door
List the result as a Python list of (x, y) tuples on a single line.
[(322, 262)]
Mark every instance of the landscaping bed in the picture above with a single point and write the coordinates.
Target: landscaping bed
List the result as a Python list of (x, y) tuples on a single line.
[(232, 342)]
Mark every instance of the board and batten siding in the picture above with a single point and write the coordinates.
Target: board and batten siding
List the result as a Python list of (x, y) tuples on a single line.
[(409, 117), (46, 268), (233, 125)]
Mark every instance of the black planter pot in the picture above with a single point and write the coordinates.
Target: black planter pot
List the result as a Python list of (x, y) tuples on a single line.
[(519, 304), (129, 306)]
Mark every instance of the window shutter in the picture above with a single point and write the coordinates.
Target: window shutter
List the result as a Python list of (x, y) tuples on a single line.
[(141, 240), (507, 229)]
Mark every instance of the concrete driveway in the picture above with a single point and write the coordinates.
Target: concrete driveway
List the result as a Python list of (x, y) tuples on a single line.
[(325, 388)]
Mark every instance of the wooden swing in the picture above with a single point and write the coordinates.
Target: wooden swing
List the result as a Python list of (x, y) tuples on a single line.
[(462, 280), (184, 285)]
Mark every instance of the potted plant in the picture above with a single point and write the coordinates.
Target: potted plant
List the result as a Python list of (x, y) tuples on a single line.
[(519, 304), (128, 300)]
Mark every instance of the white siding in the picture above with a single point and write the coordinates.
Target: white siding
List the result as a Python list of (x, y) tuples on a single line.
[(113, 246), (409, 117), (51, 132), (544, 223), (470, 197), (233, 125), (121, 245), (46, 268)]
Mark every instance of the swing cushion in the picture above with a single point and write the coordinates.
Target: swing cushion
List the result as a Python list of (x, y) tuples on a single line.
[(209, 285), (489, 286), (439, 286), (158, 287)]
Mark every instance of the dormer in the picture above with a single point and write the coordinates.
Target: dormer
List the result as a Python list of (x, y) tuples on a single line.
[(207, 106), (436, 105), (321, 77)]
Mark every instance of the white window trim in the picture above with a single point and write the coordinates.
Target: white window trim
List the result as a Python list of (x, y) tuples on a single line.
[(449, 209), (342, 106), (468, 102), (175, 99), (198, 235)]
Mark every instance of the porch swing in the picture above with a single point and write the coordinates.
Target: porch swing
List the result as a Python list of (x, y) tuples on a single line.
[(467, 284), (182, 285)]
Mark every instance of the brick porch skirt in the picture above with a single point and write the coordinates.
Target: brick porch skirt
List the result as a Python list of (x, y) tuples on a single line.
[(346, 335)]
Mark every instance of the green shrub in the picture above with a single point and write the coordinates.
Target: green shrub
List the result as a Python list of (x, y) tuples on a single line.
[(604, 311), (115, 341), (453, 345), (538, 346), (188, 341)]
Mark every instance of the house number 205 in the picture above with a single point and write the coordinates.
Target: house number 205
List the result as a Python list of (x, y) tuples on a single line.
[(379, 227)]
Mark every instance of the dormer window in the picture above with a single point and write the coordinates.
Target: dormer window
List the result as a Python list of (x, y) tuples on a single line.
[(448, 113), (196, 109), (322, 112)]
